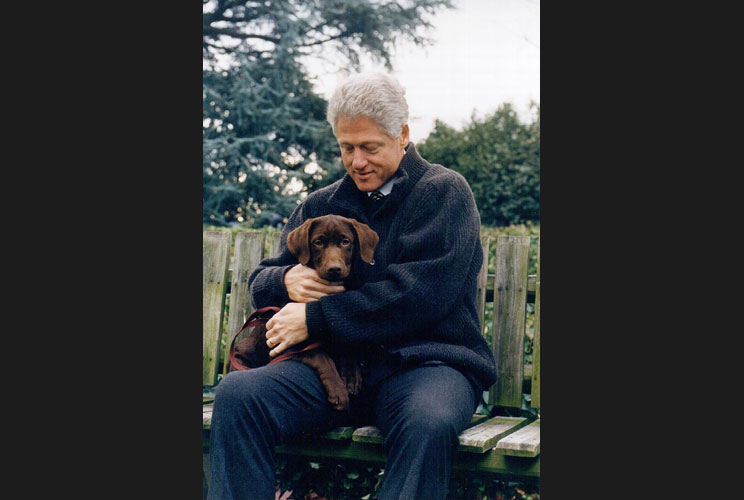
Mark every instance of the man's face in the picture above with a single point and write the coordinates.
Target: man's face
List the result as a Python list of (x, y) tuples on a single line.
[(370, 156)]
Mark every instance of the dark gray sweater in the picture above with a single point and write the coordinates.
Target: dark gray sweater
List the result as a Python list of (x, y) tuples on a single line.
[(416, 300)]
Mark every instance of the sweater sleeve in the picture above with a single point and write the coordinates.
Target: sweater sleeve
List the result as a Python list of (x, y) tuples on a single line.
[(266, 282), (421, 285)]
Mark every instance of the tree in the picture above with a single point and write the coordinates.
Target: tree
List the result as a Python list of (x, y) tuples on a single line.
[(500, 158), (266, 143)]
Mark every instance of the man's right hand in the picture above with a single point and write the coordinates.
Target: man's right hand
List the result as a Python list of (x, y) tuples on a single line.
[(304, 285)]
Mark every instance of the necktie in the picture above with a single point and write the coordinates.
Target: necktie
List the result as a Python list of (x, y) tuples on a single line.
[(376, 195)]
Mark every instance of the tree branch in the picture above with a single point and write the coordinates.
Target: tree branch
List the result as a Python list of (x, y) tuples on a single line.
[(214, 32), (318, 42)]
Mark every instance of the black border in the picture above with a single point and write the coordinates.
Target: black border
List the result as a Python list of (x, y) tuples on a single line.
[(142, 153)]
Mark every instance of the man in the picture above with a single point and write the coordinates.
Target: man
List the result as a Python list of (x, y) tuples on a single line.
[(409, 318)]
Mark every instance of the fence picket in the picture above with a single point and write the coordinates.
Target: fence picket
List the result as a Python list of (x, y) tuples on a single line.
[(509, 310), (215, 258)]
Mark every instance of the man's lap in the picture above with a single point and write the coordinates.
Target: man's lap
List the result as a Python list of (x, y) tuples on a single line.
[(289, 393), (295, 400), (425, 394)]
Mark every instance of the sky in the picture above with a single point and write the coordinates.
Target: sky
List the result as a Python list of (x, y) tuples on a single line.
[(486, 52)]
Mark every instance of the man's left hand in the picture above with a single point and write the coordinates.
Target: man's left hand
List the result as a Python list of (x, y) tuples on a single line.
[(286, 328)]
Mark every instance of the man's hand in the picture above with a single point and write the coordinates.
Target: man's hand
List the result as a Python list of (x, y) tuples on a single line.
[(304, 285), (286, 328)]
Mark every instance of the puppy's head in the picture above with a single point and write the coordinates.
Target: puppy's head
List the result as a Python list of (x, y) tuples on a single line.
[(327, 245)]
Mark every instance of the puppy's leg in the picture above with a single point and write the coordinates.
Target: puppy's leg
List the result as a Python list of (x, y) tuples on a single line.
[(321, 362), (351, 375)]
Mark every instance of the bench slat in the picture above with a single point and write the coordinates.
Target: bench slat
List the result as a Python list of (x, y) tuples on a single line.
[(509, 309), (523, 443), (530, 287), (339, 433), (247, 255), (480, 298), (215, 259), (207, 416), (367, 434), (273, 242), (478, 438), (535, 387), (477, 419), (484, 436)]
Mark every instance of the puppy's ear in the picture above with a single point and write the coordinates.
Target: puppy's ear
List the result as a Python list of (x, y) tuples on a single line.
[(368, 240), (298, 242)]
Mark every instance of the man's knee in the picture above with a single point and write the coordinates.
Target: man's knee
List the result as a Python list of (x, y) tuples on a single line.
[(433, 421), (238, 389), (436, 421)]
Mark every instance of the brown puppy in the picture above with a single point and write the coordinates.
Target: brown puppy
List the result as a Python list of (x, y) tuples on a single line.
[(327, 245)]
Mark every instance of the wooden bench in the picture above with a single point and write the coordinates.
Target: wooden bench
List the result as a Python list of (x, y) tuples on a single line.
[(507, 446)]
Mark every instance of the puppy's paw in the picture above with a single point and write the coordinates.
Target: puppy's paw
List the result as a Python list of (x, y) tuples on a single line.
[(338, 396)]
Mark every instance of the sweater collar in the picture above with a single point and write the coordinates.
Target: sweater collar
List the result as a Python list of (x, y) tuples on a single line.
[(410, 170)]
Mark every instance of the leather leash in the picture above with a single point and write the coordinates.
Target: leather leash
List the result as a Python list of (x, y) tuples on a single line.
[(256, 319)]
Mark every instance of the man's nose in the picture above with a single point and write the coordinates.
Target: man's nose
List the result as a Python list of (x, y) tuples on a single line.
[(360, 159)]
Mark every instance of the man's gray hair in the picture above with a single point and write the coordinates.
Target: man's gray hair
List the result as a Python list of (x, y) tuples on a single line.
[(377, 96)]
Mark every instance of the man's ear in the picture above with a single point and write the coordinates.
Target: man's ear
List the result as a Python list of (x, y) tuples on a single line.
[(404, 136), (368, 240), (298, 242)]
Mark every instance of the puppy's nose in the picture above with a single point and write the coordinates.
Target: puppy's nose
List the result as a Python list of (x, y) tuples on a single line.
[(334, 271)]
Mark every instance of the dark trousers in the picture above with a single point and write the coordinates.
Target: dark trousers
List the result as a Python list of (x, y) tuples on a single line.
[(420, 410)]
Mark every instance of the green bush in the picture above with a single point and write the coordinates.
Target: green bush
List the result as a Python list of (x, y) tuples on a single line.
[(499, 156)]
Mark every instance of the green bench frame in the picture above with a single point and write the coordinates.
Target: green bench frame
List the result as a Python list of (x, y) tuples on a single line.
[(508, 447)]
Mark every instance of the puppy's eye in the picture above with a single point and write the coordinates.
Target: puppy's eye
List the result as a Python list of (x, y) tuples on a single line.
[(318, 243), (346, 242)]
